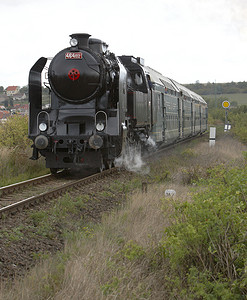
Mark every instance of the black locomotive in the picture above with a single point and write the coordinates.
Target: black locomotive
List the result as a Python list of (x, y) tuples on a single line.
[(99, 103)]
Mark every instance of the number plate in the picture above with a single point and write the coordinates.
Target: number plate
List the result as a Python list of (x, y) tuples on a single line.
[(73, 55)]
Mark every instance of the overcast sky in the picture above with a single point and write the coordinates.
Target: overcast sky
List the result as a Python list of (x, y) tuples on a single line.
[(187, 40)]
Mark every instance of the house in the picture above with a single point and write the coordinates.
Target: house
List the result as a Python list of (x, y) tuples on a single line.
[(12, 90), (19, 96)]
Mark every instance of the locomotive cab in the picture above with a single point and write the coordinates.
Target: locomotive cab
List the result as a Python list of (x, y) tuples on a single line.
[(139, 98)]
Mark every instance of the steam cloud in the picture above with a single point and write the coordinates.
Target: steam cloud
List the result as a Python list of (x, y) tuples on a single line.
[(131, 158)]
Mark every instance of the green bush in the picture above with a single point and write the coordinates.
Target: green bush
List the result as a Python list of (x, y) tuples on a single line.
[(216, 115), (206, 247), (15, 151), (14, 132), (239, 122)]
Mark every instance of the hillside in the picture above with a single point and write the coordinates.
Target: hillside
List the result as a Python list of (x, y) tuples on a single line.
[(216, 93), (235, 99), (218, 88)]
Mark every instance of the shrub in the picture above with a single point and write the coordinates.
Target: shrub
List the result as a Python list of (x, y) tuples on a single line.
[(15, 151), (206, 245), (14, 133), (216, 115), (239, 122)]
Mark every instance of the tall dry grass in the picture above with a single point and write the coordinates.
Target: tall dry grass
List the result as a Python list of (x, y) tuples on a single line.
[(113, 262), (15, 150), (15, 165), (196, 160), (226, 150)]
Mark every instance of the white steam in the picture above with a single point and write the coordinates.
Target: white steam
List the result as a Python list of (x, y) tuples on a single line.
[(131, 158), (151, 143)]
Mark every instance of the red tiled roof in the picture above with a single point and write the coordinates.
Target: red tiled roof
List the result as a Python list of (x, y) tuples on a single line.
[(11, 88)]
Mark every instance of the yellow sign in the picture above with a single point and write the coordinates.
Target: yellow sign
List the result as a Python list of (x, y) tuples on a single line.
[(225, 104)]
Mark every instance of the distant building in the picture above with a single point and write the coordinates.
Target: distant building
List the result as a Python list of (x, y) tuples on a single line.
[(22, 109), (19, 96), (12, 90)]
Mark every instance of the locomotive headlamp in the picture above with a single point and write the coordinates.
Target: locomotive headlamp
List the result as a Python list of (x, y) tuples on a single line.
[(100, 120), (73, 42), (100, 126), (42, 127)]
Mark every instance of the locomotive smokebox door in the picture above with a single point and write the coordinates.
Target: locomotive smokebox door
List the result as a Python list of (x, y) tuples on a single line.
[(75, 76)]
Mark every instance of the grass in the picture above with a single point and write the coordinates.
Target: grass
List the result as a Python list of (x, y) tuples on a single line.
[(16, 166), (102, 262), (124, 257), (15, 150)]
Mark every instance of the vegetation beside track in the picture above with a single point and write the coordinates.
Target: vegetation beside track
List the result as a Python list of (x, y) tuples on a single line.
[(15, 151), (237, 117), (191, 246)]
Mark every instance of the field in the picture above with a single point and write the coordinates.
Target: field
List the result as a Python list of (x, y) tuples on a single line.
[(240, 98)]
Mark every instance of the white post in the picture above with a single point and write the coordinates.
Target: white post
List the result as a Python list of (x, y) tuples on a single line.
[(212, 136)]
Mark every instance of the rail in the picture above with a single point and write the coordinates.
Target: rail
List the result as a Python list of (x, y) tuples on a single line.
[(53, 193), (21, 185)]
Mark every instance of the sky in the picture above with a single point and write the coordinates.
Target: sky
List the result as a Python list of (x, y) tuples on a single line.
[(186, 40)]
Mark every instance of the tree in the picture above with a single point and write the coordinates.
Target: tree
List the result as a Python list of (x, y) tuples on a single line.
[(6, 103), (11, 102), (24, 89)]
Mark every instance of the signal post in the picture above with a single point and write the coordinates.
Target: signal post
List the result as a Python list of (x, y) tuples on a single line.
[(226, 105)]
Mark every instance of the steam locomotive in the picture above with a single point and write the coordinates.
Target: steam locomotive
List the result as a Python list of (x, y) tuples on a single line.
[(99, 103)]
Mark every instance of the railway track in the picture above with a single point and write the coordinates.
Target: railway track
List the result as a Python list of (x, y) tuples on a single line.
[(21, 195), (12, 188)]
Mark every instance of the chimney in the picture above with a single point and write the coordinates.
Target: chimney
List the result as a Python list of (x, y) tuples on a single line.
[(82, 39)]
